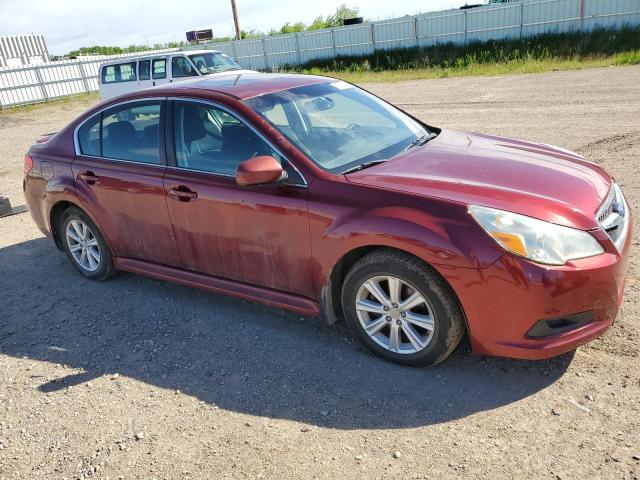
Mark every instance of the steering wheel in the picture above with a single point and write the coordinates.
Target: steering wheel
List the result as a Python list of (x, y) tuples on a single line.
[(354, 126)]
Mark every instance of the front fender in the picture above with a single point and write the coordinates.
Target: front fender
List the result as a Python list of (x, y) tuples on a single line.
[(441, 233)]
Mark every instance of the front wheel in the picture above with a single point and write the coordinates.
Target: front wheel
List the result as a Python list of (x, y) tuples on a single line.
[(401, 309)]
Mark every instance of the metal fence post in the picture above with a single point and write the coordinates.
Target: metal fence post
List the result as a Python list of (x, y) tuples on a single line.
[(43, 87), (373, 36), (83, 74), (465, 27), (296, 39), (333, 43), (264, 53), (581, 15), (234, 50), (415, 31), (521, 19)]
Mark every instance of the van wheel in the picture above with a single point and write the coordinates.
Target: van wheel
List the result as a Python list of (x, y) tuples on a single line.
[(401, 309), (85, 245)]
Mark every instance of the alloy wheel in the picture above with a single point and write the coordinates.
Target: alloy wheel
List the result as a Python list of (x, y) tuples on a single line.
[(395, 314), (83, 245)]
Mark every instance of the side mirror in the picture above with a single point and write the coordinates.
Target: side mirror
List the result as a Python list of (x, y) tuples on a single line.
[(259, 170)]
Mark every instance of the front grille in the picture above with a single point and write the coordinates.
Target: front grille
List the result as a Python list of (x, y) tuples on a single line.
[(613, 216), (608, 211)]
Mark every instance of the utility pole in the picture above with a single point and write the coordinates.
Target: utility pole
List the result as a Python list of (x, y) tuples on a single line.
[(235, 18)]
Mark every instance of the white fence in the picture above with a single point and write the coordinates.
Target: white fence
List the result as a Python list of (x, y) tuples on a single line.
[(491, 22)]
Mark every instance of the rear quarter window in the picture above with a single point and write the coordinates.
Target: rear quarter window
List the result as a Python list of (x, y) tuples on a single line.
[(89, 137)]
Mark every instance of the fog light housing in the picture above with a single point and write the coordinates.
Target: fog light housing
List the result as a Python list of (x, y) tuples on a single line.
[(556, 326)]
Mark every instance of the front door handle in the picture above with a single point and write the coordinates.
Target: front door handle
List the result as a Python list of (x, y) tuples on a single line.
[(182, 193), (89, 178)]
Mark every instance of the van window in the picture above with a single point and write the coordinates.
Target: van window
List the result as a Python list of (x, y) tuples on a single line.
[(132, 132), (181, 67), (124, 72), (144, 68), (159, 68)]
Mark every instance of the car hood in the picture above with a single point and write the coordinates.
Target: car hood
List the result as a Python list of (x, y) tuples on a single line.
[(532, 179)]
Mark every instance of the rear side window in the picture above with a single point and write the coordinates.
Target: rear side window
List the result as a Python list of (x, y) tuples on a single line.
[(159, 68), (124, 72), (89, 137), (128, 132), (181, 67), (132, 132), (144, 70)]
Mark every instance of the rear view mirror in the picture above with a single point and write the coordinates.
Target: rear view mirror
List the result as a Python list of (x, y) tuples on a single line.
[(320, 104), (258, 171)]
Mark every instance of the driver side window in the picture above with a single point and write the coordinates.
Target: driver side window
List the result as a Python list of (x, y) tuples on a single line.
[(209, 139)]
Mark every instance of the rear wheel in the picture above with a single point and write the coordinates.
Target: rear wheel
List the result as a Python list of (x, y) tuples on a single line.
[(85, 245), (401, 309)]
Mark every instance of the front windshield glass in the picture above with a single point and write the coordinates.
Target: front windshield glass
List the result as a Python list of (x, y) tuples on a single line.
[(338, 125), (213, 62)]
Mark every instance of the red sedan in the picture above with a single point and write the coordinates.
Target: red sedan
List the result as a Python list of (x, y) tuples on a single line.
[(313, 195)]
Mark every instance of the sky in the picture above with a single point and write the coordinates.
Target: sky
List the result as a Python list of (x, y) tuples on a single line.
[(70, 24)]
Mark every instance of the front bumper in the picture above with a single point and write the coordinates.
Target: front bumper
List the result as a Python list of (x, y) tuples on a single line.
[(505, 300)]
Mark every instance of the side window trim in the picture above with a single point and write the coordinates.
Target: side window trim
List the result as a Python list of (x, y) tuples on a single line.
[(170, 141), (161, 129)]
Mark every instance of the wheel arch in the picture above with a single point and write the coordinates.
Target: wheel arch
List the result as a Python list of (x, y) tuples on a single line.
[(330, 297), (55, 215)]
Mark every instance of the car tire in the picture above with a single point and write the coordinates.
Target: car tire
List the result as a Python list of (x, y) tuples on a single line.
[(82, 240), (420, 336)]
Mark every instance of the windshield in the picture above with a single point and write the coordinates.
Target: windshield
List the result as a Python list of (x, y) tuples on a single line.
[(338, 125), (213, 62)]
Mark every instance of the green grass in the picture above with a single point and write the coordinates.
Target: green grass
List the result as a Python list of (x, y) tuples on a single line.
[(91, 97), (482, 69), (542, 53)]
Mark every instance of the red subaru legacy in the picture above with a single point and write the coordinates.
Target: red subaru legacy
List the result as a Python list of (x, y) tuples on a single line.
[(313, 195)]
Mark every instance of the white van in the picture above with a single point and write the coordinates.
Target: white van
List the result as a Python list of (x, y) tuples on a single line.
[(135, 73)]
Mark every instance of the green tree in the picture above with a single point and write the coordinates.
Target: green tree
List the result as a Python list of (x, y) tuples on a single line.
[(292, 28), (342, 12), (318, 24)]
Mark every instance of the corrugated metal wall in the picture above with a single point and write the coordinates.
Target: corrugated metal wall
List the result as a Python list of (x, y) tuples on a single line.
[(23, 50), (496, 21)]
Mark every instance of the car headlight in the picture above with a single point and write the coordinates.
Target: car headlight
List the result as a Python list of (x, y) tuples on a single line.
[(537, 240)]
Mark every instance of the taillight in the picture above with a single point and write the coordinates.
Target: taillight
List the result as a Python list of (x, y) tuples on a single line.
[(28, 164)]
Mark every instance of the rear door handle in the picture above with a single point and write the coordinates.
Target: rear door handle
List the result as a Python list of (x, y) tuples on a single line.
[(182, 193), (89, 178)]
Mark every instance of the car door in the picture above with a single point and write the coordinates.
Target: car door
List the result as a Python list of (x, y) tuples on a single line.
[(257, 235), (118, 172), (182, 68)]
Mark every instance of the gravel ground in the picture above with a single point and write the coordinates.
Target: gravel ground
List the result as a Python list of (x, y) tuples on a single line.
[(137, 378)]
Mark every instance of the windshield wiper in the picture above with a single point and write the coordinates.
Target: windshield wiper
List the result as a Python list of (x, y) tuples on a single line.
[(422, 139), (362, 166)]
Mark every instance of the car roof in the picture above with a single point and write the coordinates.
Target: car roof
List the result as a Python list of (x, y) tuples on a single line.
[(243, 85)]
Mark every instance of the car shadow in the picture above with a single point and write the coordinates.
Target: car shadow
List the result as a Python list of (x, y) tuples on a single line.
[(238, 355)]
